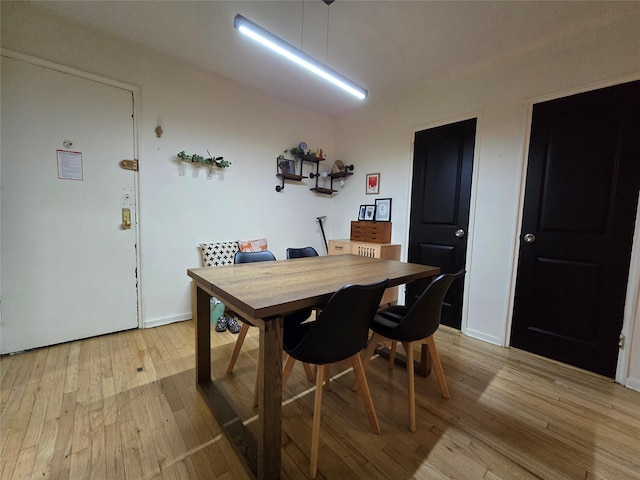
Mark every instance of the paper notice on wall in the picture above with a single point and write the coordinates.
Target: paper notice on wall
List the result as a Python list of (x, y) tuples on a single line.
[(69, 165)]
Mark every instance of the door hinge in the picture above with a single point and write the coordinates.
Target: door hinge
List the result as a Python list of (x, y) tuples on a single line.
[(621, 341), (129, 165)]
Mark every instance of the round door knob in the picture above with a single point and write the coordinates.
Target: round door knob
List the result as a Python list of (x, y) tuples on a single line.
[(459, 233), (529, 238)]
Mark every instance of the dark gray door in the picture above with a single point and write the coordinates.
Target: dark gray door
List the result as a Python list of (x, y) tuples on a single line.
[(579, 214), (440, 197)]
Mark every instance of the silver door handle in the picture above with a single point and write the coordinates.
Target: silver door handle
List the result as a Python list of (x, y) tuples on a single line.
[(459, 233), (529, 238)]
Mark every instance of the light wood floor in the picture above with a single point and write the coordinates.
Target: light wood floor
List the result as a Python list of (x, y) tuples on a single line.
[(125, 406)]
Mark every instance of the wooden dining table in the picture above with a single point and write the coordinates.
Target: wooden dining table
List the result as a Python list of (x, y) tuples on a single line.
[(261, 293)]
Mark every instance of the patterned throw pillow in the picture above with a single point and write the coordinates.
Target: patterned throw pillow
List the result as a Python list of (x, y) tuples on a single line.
[(221, 253), (253, 245)]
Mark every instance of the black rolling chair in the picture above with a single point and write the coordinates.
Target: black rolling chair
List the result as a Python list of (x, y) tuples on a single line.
[(415, 325), (339, 333)]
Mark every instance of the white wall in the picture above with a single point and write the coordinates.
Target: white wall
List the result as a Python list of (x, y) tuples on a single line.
[(199, 111), (500, 95)]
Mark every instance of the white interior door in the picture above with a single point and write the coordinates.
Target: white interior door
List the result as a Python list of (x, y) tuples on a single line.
[(68, 265)]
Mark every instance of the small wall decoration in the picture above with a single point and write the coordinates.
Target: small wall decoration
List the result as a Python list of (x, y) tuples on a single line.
[(197, 160), (219, 162), (372, 186), (383, 209)]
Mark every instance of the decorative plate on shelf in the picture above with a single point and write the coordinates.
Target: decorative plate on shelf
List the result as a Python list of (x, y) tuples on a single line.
[(338, 166)]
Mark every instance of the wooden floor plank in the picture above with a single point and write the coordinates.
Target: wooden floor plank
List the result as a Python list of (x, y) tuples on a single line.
[(11, 450), (114, 462), (64, 437)]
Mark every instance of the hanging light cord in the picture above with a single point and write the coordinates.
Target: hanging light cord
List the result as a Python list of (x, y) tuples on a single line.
[(326, 55), (302, 29)]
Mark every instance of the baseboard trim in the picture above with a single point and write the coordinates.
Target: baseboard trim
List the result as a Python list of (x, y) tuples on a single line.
[(484, 337), (633, 384), (157, 322)]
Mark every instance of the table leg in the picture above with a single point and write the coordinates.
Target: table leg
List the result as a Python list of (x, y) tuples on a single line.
[(203, 335), (266, 465), (220, 404), (423, 368), (270, 401)]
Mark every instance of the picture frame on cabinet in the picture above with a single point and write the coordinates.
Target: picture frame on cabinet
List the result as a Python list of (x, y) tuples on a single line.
[(383, 210), (369, 213), (361, 212)]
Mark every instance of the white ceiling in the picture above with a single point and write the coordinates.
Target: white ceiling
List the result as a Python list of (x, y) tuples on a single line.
[(386, 46)]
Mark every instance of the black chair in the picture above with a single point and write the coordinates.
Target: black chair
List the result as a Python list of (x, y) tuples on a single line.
[(301, 252), (339, 333), (250, 257), (246, 257), (293, 319), (411, 326), (301, 316)]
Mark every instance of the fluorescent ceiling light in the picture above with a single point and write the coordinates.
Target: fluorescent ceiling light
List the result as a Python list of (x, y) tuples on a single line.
[(262, 36)]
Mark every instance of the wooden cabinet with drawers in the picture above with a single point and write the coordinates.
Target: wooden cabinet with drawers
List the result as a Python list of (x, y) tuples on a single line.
[(376, 232), (389, 251)]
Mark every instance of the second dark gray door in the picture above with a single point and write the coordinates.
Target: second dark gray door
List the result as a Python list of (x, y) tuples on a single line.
[(440, 198)]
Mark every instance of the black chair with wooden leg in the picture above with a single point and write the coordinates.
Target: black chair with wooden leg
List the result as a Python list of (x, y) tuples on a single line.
[(301, 252), (339, 333), (414, 326), (246, 257), (303, 315), (292, 319)]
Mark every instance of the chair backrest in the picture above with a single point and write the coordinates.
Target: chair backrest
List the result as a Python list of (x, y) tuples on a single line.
[(301, 252), (341, 330), (423, 319), (249, 257)]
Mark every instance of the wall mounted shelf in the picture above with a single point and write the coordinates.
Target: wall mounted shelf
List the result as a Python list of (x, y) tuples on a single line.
[(332, 177), (286, 170)]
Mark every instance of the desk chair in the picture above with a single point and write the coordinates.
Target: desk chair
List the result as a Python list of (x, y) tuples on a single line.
[(411, 326), (339, 333)]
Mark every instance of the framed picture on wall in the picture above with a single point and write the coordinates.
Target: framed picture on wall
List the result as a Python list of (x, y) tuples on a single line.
[(372, 186), (383, 209)]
